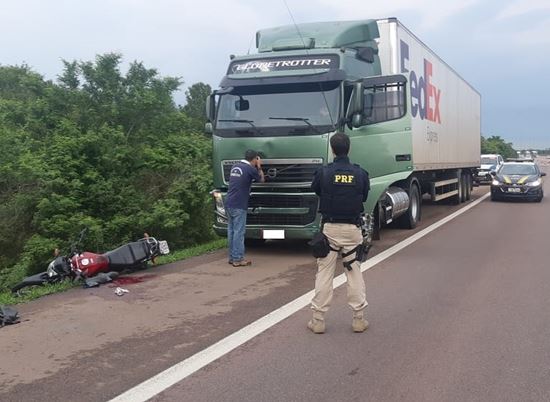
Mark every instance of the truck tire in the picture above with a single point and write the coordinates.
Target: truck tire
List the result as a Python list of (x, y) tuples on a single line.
[(411, 218), (468, 187), (463, 187), (458, 198)]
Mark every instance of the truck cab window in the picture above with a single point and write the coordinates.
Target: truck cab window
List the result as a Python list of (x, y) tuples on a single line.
[(383, 103)]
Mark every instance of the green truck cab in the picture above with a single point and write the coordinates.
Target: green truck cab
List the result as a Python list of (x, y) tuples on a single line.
[(413, 123)]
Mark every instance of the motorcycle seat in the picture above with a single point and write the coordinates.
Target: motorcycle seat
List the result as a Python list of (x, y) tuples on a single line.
[(129, 254)]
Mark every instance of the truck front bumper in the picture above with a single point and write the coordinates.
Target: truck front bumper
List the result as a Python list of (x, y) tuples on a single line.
[(294, 213), (253, 232)]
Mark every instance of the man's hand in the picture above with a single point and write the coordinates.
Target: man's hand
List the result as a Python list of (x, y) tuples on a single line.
[(258, 164)]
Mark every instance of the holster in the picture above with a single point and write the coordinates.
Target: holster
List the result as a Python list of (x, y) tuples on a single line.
[(360, 251)]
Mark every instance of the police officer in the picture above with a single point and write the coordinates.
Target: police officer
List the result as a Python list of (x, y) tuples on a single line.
[(342, 188)]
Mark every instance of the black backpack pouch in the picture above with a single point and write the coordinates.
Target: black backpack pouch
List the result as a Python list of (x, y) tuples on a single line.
[(320, 246)]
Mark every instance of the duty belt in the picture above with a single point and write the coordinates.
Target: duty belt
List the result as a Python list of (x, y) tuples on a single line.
[(351, 221)]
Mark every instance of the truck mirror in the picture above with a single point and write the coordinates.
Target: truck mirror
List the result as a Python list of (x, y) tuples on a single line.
[(208, 129), (355, 102), (242, 104), (357, 120), (210, 108), (366, 54)]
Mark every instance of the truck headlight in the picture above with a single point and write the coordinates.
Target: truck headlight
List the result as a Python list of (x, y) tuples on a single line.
[(496, 182), (218, 200), (535, 183)]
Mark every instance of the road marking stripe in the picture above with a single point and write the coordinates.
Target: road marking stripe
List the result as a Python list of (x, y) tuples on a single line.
[(185, 368)]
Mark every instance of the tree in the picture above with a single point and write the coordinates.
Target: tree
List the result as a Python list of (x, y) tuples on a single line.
[(195, 107), (497, 145)]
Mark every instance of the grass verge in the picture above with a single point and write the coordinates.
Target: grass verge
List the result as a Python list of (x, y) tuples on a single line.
[(178, 255), (193, 251)]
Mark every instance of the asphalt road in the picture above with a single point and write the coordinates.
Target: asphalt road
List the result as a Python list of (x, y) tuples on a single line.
[(462, 315), (458, 314)]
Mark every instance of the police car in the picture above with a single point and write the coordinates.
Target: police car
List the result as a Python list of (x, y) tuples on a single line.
[(521, 180)]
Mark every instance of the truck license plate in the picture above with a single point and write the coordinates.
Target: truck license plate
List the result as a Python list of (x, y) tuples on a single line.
[(163, 247), (514, 190), (273, 234)]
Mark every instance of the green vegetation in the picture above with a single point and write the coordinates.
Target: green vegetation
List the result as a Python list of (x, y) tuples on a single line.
[(497, 145), (101, 149), (35, 292), (192, 251)]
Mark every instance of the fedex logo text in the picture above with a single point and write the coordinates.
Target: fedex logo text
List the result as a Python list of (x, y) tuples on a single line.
[(425, 96)]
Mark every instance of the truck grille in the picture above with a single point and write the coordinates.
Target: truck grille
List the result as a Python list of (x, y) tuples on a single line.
[(282, 171), (308, 202)]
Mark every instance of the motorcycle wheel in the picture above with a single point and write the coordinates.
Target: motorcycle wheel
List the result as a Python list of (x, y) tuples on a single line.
[(37, 280)]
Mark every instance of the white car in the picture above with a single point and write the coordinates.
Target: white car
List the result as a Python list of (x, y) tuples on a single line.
[(489, 163)]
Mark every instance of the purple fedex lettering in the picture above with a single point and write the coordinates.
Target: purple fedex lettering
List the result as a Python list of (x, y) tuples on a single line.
[(425, 96)]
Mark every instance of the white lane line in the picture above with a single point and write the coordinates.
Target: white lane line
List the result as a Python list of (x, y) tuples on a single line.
[(179, 371)]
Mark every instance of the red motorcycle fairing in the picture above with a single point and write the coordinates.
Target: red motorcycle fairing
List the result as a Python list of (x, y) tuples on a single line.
[(90, 264)]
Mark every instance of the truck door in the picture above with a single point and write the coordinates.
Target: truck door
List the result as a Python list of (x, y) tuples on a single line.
[(379, 125)]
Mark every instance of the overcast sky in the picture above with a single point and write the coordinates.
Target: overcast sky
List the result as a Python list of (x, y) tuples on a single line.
[(502, 47)]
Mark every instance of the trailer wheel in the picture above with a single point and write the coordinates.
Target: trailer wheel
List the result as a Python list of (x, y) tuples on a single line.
[(458, 198), (465, 196), (468, 187), (411, 218), (464, 188)]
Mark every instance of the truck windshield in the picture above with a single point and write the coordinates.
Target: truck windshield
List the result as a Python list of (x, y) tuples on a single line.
[(279, 110)]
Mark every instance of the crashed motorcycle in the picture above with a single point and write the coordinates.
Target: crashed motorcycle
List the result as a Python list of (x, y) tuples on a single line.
[(79, 264)]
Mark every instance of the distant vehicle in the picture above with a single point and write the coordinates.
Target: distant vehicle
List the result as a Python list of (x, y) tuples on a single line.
[(489, 163), (521, 180), (520, 160)]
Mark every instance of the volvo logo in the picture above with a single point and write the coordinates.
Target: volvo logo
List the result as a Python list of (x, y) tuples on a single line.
[(272, 173)]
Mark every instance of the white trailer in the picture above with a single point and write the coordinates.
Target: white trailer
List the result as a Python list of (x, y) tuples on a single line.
[(445, 108)]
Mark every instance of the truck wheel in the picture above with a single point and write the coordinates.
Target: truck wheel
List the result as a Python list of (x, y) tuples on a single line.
[(411, 218), (468, 187), (457, 199), (463, 186)]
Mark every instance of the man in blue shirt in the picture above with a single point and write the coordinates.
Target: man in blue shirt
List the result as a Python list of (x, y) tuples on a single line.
[(242, 175)]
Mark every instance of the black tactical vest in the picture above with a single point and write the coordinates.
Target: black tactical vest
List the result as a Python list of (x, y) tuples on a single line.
[(342, 189)]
